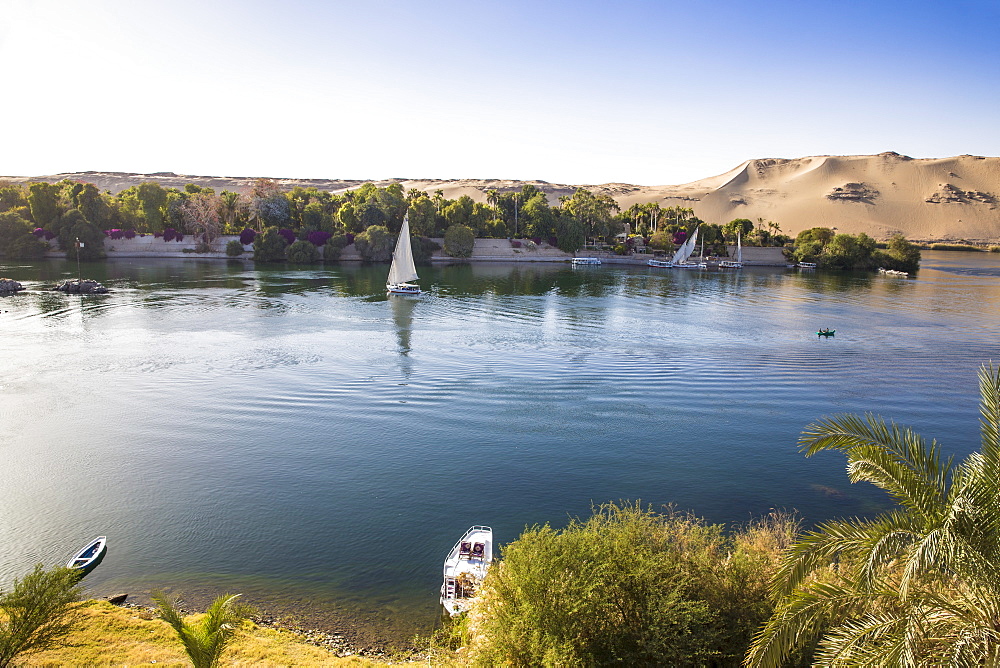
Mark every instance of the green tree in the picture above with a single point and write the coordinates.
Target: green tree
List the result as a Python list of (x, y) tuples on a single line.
[(375, 244), (204, 640), (154, 205), (538, 218), (593, 211), (12, 228), (901, 255), (269, 246), (37, 612), (459, 241), (916, 586), (302, 252), (737, 226), (43, 201), (569, 234)]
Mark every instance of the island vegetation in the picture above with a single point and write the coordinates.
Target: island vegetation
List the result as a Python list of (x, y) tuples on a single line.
[(276, 220)]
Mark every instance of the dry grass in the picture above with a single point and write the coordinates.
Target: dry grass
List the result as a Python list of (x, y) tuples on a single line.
[(106, 635)]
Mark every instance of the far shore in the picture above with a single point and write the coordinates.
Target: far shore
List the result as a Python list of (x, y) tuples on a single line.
[(485, 250)]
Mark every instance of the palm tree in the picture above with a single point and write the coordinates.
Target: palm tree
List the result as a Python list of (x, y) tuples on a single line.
[(204, 641), (919, 585)]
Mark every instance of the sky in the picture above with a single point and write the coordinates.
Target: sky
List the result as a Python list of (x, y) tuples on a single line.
[(582, 92)]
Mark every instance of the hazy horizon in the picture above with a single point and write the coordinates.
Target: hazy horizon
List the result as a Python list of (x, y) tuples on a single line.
[(649, 93)]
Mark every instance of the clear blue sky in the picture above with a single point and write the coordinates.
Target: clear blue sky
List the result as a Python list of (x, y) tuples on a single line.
[(572, 92)]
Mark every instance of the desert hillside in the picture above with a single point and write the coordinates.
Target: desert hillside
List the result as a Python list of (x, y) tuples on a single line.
[(925, 199)]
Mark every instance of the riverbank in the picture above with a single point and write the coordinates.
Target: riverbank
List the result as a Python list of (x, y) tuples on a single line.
[(484, 250), (107, 634)]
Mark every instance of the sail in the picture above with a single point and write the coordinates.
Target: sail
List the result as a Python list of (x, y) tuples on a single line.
[(402, 269), (739, 248), (684, 252)]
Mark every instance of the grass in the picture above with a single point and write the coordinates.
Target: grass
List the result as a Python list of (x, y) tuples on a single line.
[(107, 635), (956, 247)]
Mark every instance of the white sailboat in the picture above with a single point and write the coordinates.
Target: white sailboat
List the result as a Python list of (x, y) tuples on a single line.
[(465, 567), (684, 252), (738, 262), (402, 269)]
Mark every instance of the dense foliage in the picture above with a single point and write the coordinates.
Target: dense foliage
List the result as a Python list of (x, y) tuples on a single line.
[(916, 586), (36, 613), (269, 246), (844, 251), (234, 248), (459, 241), (375, 244), (302, 252), (630, 587)]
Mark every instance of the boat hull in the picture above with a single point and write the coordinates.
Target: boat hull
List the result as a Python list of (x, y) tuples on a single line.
[(403, 289), (464, 569), (89, 557)]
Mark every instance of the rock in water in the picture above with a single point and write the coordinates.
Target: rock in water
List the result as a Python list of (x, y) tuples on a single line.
[(10, 285), (85, 287)]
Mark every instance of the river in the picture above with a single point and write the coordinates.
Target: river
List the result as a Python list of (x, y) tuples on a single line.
[(295, 435)]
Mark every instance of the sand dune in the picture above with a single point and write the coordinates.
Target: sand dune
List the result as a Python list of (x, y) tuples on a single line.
[(925, 199)]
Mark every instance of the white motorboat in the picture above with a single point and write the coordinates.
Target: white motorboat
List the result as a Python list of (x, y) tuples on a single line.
[(402, 270), (465, 567), (666, 264), (586, 260), (738, 262)]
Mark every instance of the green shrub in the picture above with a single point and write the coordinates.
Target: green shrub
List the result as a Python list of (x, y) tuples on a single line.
[(630, 587), (12, 227), (423, 249), (459, 241), (269, 246), (375, 244), (234, 248), (955, 247), (302, 252), (36, 613), (27, 247)]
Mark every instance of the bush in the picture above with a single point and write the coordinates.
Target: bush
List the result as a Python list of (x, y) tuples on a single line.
[(375, 244), (27, 247), (459, 241), (234, 248), (628, 586), (423, 249), (35, 614), (302, 252), (247, 236), (269, 246), (12, 228)]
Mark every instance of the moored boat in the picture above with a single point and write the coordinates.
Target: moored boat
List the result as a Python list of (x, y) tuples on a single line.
[(666, 264), (586, 260), (807, 265), (89, 557), (465, 567)]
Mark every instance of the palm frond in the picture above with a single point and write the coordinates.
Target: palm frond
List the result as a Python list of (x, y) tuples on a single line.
[(887, 455)]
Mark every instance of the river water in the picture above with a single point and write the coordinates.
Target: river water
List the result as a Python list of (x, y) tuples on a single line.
[(295, 435)]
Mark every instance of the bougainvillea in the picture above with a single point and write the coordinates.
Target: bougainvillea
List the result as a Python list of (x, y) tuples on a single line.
[(247, 236), (48, 235), (553, 241), (680, 236), (129, 234), (169, 234), (318, 237), (114, 234), (287, 234)]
